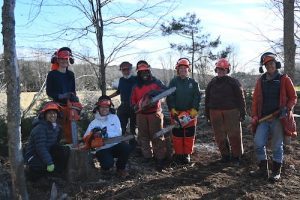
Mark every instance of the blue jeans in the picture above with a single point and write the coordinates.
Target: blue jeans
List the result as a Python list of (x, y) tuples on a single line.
[(273, 129), (120, 151)]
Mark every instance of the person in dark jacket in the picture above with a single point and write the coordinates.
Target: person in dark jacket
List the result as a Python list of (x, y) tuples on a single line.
[(60, 86), (149, 116), (44, 154), (125, 112), (274, 98), (185, 99), (60, 83), (225, 107)]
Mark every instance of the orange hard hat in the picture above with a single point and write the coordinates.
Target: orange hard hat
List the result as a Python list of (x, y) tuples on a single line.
[(63, 54), (51, 106), (104, 103), (223, 64), (268, 58), (183, 62), (104, 100), (142, 67)]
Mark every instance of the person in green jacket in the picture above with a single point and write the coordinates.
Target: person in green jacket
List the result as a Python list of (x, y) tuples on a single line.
[(184, 106)]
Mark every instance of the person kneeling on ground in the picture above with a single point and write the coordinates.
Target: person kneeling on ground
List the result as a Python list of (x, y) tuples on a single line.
[(107, 125), (44, 155)]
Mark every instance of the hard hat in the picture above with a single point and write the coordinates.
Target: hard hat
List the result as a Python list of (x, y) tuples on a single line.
[(267, 57), (50, 106), (125, 65), (183, 62), (142, 66), (223, 64), (104, 100), (65, 53)]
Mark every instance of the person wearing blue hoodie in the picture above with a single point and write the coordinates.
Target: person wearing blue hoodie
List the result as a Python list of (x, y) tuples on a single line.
[(44, 155)]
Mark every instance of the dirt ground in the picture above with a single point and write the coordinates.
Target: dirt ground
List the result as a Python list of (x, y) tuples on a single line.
[(205, 178)]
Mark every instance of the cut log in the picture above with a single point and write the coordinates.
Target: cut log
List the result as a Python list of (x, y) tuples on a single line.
[(80, 165)]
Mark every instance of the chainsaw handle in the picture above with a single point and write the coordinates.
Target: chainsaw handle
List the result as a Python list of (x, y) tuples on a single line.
[(177, 120)]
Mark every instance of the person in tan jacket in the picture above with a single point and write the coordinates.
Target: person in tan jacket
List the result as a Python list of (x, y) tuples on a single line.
[(225, 108)]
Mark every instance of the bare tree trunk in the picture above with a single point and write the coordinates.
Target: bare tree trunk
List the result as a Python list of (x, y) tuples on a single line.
[(12, 77), (193, 54), (288, 38), (98, 23)]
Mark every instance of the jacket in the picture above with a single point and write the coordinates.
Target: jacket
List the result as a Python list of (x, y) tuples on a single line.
[(224, 93), (141, 89), (288, 98), (112, 124), (125, 87), (42, 137), (60, 83), (186, 96)]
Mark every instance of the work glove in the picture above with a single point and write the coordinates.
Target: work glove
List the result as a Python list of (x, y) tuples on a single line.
[(96, 131), (50, 168), (283, 112), (174, 112), (135, 108), (74, 98), (104, 132), (193, 113), (66, 95), (254, 120)]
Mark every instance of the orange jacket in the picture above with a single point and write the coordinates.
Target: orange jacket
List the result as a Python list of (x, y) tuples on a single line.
[(288, 98)]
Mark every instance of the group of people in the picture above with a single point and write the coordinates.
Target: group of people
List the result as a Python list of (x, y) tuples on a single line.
[(225, 108)]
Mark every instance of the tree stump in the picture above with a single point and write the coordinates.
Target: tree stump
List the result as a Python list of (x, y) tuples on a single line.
[(5, 184), (80, 165)]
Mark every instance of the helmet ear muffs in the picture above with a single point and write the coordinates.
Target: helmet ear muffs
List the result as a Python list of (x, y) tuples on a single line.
[(71, 60), (54, 58), (278, 65), (261, 70)]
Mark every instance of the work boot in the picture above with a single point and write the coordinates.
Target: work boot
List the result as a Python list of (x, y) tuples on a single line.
[(236, 161), (159, 165), (147, 160), (276, 170), (225, 159), (186, 159), (177, 158), (122, 173), (262, 172)]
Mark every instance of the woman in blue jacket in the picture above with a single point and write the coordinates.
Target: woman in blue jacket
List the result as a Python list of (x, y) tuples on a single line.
[(43, 154)]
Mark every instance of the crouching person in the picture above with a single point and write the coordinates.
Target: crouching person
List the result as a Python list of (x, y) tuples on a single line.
[(44, 155), (107, 125)]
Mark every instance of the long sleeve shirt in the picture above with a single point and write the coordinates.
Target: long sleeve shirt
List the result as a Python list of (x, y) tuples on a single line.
[(111, 122)]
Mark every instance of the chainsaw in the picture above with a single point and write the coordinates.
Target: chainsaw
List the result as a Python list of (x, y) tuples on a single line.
[(147, 101), (98, 137), (181, 121)]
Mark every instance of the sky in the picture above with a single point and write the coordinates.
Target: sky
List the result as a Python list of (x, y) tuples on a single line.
[(239, 23)]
